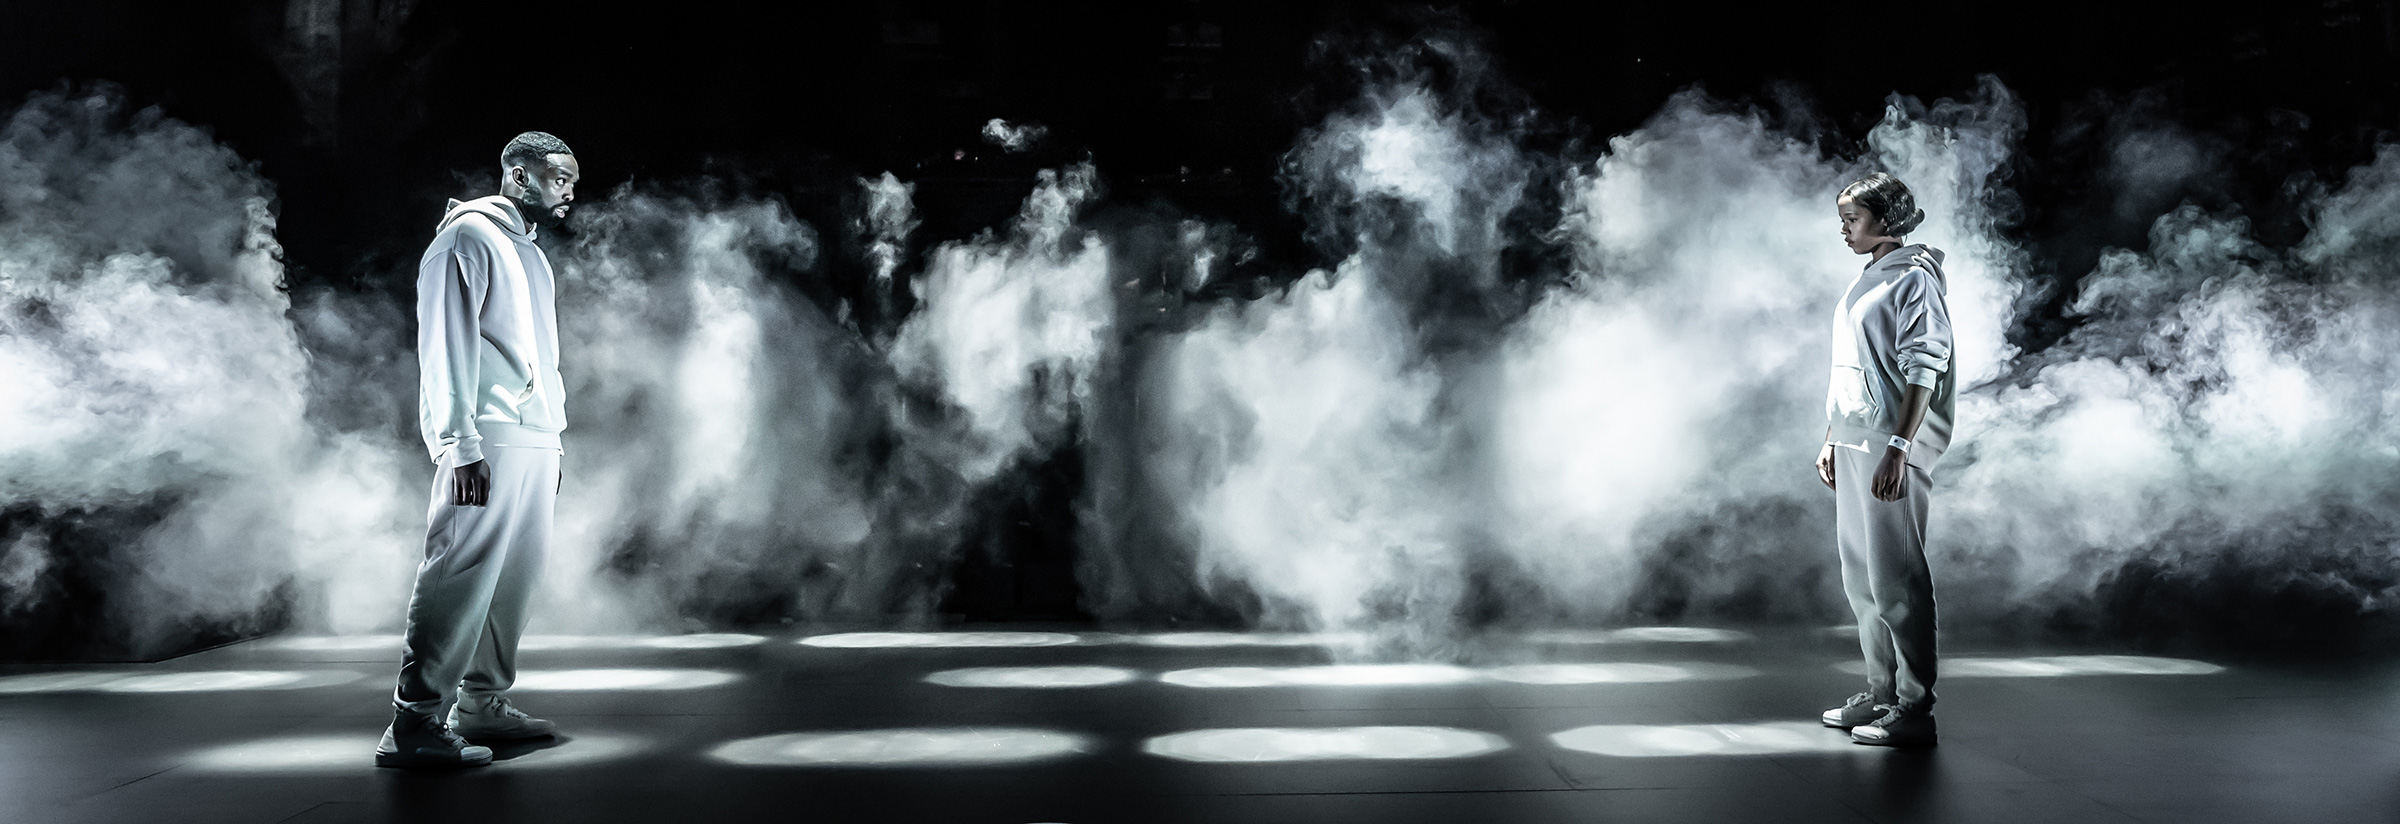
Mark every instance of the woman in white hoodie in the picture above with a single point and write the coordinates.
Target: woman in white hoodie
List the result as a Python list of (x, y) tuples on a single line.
[(1888, 415)]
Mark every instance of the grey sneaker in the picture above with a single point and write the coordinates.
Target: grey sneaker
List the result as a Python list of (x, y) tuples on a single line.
[(494, 719), (1898, 728), (1860, 709), (420, 742)]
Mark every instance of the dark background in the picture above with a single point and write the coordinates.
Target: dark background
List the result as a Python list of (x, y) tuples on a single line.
[(366, 114)]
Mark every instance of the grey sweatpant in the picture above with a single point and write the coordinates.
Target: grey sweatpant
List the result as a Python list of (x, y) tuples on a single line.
[(1883, 571), (480, 564)]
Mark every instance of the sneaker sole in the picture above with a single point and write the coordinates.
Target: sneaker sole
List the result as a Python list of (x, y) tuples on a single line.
[(507, 736), (1834, 720)]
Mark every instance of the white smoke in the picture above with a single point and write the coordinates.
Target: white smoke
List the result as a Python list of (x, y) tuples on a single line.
[(21, 569), (1305, 447), (709, 416), (1013, 137), (1640, 444), (1418, 440), (1678, 386), (176, 423), (1010, 331), (717, 458), (157, 390), (890, 219), (1310, 439), (1353, 478), (2219, 412), (1412, 149)]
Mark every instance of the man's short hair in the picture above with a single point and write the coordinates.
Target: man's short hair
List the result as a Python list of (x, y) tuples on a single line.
[(532, 150)]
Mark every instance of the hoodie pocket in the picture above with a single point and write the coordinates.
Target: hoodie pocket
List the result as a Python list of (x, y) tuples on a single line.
[(508, 387), (1851, 398)]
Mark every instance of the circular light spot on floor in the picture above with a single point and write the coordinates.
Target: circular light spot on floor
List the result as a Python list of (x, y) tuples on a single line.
[(1248, 639), (1335, 675), (349, 752), (1638, 635), (576, 750), (882, 640), (922, 747), (2059, 666), (355, 752), (55, 682), (1032, 677), (705, 640), (392, 643), (1616, 673), (229, 681), (620, 679), (1644, 741), (334, 643), (715, 640), (1273, 744), (2074, 665), (559, 642)]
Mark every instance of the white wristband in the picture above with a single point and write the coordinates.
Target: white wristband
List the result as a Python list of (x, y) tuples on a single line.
[(1899, 443)]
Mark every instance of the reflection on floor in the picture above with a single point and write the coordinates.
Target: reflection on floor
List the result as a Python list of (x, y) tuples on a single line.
[(1664, 724)]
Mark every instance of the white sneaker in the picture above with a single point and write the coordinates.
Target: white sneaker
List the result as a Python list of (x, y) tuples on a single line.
[(420, 742), (1860, 710), (1898, 728), (495, 719)]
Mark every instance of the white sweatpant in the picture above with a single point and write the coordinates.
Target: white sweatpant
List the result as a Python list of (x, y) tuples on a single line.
[(1883, 572), (468, 609)]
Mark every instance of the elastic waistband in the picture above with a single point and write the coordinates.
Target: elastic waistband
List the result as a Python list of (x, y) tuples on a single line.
[(517, 435)]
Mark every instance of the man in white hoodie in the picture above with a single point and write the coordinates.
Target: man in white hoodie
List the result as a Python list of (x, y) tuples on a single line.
[(490, 406), (1888, 417)]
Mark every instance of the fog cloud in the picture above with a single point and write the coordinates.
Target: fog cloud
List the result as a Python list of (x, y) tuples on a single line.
[(1538, 381)]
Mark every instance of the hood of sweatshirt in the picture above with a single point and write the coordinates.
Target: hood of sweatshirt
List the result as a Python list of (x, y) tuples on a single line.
[(1916, 254), (499, 208)]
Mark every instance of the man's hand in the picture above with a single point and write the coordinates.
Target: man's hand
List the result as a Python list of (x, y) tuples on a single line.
[(1825, 465), (471, 485), (1891, 476)]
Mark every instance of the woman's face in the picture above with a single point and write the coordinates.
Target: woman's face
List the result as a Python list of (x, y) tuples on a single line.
[(1861, 230)]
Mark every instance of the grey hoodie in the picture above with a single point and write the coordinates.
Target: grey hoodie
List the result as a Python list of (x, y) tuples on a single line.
[(487, 336), (1892, 329)]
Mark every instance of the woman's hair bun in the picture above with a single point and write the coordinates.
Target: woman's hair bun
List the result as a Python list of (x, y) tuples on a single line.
[(1916, 217), (1889, 200)]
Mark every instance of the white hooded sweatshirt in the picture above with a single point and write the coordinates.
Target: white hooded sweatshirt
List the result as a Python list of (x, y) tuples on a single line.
[(1892, 329), (487, 336)]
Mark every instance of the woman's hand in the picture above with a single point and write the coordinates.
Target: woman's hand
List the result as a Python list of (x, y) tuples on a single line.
[(1891, 476), (471, 485), (1825, 465)]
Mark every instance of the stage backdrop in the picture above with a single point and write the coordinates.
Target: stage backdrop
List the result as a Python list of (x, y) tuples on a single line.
[(1422, 343)]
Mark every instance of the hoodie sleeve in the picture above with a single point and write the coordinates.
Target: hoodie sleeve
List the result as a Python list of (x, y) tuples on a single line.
[(1923, 345), (451, 284)]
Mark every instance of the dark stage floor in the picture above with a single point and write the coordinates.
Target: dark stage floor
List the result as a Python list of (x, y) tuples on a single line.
[(1656, 725)]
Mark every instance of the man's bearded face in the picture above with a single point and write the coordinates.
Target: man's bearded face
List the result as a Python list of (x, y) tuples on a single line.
[(549, 190)]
